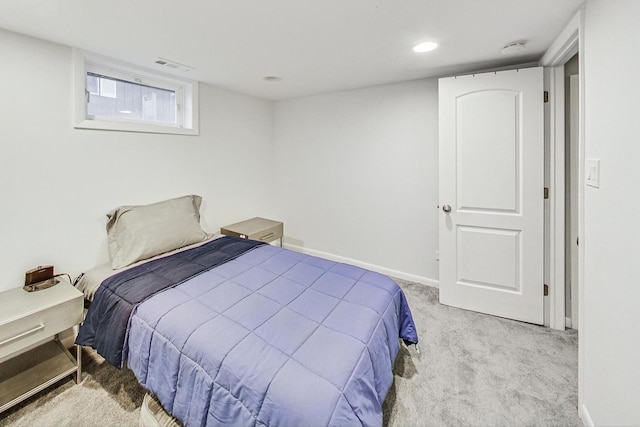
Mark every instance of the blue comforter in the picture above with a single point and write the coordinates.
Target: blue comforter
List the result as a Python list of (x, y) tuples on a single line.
[(271, 337)]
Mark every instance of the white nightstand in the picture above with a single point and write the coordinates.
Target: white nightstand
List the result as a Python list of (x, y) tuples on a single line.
[(31, 356)]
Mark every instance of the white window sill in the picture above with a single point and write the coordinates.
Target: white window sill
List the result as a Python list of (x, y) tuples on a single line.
[(133, 127)]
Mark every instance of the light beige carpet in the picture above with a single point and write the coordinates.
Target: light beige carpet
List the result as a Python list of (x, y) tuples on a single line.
[(474, 370)]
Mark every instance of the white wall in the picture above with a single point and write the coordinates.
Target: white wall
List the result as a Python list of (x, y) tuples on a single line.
[(57, 183), (610, 313), (357, 175)]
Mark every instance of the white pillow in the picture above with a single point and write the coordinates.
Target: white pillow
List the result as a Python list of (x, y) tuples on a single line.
[(139, 232)]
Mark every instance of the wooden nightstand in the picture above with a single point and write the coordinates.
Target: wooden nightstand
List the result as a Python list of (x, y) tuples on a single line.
[(31, 356), (262, 229)]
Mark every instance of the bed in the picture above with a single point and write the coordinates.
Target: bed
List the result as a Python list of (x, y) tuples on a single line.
[(229, 331)]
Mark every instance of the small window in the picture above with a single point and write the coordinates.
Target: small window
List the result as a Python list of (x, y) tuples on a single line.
[(116, 96), (110, 97)]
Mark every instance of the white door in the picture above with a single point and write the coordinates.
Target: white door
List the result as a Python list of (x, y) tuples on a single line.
[(491, 193)]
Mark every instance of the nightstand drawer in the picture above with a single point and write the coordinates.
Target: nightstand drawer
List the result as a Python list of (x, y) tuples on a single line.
[(19, 333), (269, 234)]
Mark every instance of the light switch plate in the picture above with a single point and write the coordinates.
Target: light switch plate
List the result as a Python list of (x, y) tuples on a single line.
[(592, 172)]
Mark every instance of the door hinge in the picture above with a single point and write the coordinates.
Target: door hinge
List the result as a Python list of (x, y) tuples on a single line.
[(546, 96), (546, 193), (546, 290)]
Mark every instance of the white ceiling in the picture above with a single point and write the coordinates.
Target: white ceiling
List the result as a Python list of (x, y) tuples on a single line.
[(315, 47)]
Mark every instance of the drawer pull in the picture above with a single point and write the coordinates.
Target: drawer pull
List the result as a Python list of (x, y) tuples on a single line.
[(24, 334), (265, 237)]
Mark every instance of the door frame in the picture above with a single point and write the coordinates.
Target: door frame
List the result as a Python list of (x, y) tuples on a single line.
[(568, 42), (566, 45)]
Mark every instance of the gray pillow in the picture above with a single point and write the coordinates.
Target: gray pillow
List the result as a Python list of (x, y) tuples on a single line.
[(135, 233)]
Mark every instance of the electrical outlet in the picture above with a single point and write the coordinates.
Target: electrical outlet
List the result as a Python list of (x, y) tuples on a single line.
[(437, 255)]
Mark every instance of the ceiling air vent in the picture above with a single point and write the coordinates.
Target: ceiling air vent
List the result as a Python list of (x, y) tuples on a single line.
[(174, 65)]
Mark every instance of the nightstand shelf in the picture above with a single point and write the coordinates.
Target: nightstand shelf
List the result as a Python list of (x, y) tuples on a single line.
[(33, 371), (257, 228), (32, 358)]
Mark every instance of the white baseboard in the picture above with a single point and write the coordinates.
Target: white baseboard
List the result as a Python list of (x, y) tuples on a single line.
[(567, 322), (585, 417), (362, 264)]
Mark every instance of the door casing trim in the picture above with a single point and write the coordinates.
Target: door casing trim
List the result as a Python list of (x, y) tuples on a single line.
[(569, 42)]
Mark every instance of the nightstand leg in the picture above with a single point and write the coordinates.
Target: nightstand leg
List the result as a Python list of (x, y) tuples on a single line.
[(79, 362)]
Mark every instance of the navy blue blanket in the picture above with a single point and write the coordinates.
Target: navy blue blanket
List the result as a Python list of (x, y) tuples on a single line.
[(105, 326)]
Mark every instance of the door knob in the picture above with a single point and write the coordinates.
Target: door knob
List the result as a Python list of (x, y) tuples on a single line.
[(446, 208)]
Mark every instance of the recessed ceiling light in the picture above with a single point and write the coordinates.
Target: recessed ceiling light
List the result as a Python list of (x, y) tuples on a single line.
[(425, 47), (513, 48), (272, 79)]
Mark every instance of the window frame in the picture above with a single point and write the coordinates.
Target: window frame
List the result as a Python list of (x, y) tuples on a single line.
[(186, 96)]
